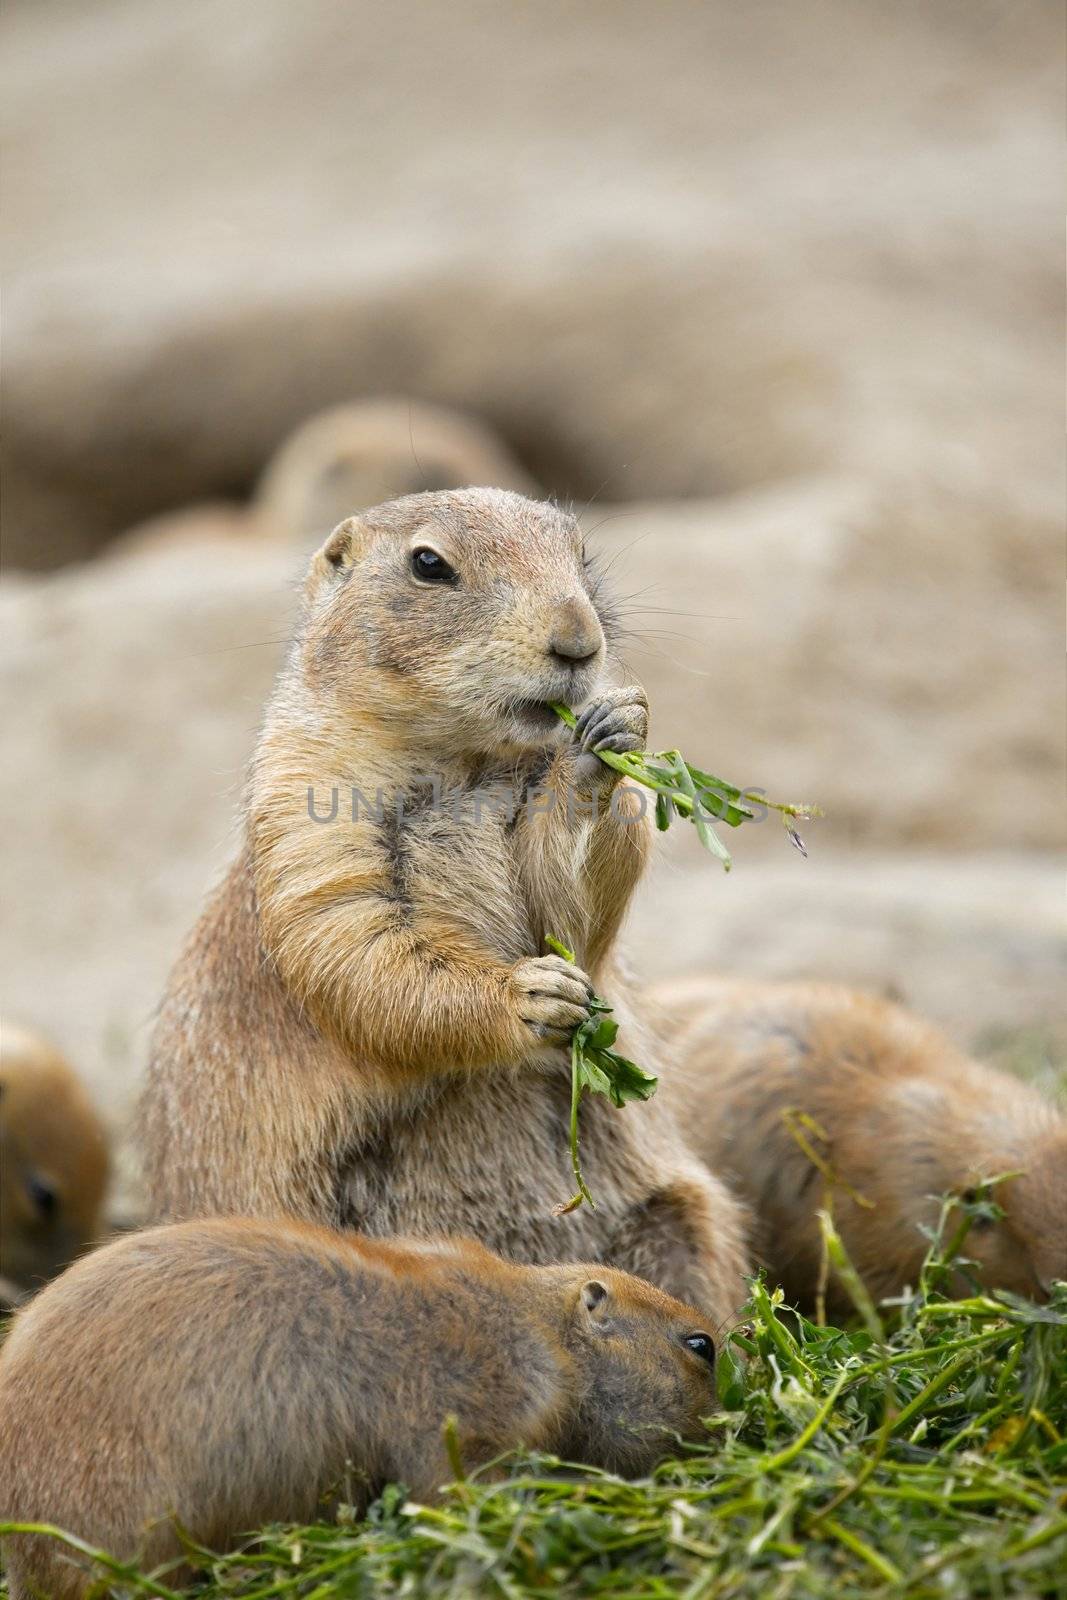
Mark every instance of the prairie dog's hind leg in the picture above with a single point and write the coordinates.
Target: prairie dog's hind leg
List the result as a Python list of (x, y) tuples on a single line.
[(689, 1239)]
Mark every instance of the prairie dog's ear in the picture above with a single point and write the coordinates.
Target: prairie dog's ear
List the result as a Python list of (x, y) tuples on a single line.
[(339, 554), (595, 1298)]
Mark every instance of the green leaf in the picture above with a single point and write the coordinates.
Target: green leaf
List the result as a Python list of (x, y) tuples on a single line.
[(692, 793), (730, 1378), (708, 837), (604, 1034), (596, 1067), (627, 1080)]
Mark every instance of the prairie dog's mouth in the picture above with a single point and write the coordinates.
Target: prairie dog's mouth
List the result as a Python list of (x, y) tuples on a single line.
[(535, 714)]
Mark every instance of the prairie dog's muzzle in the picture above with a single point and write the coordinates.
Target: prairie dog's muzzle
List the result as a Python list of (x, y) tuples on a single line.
[(576, 637)]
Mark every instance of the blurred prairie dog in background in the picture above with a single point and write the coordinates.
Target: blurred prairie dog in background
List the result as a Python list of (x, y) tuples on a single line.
[(231, 1373), (907, 1116), (338, 461), (361, 454), (53, 1163)]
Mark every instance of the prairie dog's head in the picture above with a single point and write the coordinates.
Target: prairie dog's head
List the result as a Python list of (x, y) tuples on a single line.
[(1026, 1249), (645, 1367), (456, 618), (53, 1161)]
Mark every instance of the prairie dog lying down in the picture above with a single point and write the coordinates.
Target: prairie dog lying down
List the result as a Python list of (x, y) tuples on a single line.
[(232, 1372), (907, 1116)]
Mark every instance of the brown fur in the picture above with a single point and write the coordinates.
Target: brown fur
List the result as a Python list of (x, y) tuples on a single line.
[(53, 1163), (232, 1373), (356, 455), (908, 1118), (364, 1030)]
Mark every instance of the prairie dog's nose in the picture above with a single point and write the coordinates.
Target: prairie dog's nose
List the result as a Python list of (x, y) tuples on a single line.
[(576, 635)]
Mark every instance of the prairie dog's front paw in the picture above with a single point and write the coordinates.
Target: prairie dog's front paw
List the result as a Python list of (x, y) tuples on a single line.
[(551, 997), (618, 722)]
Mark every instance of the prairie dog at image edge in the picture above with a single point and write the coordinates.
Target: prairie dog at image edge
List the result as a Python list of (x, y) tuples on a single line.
[(908, 1117), (53, 1163), (125, 1386), (364, 1030)]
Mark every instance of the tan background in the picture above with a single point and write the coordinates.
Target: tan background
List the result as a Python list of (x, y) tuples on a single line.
[(776, 283)]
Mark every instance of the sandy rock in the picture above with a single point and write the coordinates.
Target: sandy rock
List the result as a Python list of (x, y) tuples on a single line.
[(885, 651)]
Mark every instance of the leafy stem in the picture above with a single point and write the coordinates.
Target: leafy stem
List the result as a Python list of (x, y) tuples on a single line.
[(597, 1067), (687, 791)]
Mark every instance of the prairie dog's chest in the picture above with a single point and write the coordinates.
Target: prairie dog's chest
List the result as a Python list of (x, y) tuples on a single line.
[(462, 870), (475, 866)]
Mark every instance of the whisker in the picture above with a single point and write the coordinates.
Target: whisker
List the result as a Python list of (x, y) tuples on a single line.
[(636, 594), (603, 486), (411, 441), (224, 649), (673, 611), (665, 655), (661, 633), (626, 548), (613, 516)]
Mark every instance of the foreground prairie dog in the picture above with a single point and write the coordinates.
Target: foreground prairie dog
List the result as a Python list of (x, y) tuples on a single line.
[(908, 1118), (53, 1163), (365, 1030), (231, 1373)]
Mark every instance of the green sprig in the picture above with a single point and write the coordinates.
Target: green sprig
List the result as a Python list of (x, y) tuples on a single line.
[(687, 791), (600, 1069)]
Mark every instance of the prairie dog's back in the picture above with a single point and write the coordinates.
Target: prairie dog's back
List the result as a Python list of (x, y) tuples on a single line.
[(229, 1373), (223, 1372), (848, 1057), (906, 1115)]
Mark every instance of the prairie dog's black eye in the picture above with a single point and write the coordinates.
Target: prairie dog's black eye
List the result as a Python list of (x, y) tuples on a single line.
[(430, 567), (702, 1345), (42, 1194)]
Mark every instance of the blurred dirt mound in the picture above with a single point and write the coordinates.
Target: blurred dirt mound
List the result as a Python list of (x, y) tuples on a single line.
[(685, 248)]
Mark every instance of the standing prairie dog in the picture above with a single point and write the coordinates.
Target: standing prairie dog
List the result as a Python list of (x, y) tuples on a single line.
[(229, 1373), (907, 1117), (53, 1163), (364, 1030)]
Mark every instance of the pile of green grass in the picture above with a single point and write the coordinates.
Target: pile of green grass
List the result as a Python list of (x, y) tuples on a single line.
[(921, 1455)]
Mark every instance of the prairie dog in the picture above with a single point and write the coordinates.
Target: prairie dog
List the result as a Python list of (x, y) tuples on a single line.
[(231, 1373), (908, 1118), (53, 1163), (369, 451), (348, 455), (364, 1030)]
